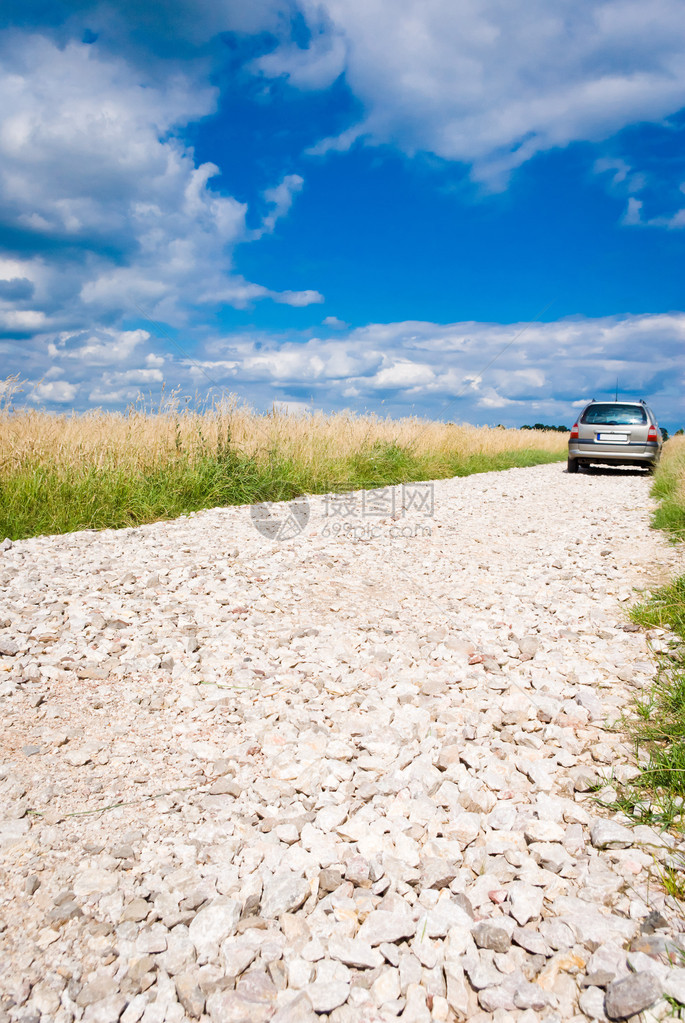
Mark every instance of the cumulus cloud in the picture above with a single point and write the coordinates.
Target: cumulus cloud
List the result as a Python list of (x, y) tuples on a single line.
[(107, 204), (280, 199), (492, 83), (461, 371), (55, 392), (635, 215)]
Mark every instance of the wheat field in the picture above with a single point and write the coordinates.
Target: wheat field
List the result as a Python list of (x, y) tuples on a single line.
[(101, 469), (139, 439)]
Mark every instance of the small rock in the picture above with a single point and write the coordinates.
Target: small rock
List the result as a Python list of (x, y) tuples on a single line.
[(550, 855), (416, 1009), (540, 774), (77, 758), (543, 831), (329, 880), (287, 833), (357, 872), (410, 969), (606, 964), (531, 940), (232, 1007), (355, 953), (212, 925), (591, 1002), (390, 953), (530, 996), (95, 881), (284, 893), (189, 993), (32, 884), (437, 873), (528, 646), (99, 988), (122, 852), (108, 1010), (525, 902), (65, 911), (386, 987), (381, 926), (225, 787), (465, 827), (607, 834), (674, 984), (583, 777), (152, 940), (327, 995), (494, 934), (632, 994), (135, 910), (236, 957), (655, 921), (448, 756), (299, 1010)]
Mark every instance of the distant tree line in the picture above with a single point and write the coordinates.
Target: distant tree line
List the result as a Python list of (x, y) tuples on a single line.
[(543, 426)]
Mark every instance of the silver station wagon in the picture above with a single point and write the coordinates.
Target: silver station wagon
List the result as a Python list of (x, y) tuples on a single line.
[(615, 433)]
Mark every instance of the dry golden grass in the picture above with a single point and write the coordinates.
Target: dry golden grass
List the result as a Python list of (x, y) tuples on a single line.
[(141, 440), (669, 486), (673, 449), (104, 469)]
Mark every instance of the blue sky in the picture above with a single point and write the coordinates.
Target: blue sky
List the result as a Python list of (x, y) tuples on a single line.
[(345, 204)]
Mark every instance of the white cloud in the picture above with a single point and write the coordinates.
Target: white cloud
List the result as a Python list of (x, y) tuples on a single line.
[(494, 82), (297, 298), (21, 320), (57, 391), (633, 213), (294, 408), (633, 217), (93, 172), (280, 199), (465, 371), (139, 377), (313, 68), (403, 374), (104, 348)]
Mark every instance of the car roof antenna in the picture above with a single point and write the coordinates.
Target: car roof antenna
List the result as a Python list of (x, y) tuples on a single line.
[(616, 398)]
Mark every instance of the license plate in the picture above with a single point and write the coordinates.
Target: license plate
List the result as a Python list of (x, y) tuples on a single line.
[(614, 438)]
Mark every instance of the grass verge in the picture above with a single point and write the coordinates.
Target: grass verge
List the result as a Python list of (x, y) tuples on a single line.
[(657, 795), (44, 498), (103, 470)]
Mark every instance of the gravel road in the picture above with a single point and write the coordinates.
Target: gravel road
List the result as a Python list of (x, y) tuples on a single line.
[(340, 775)]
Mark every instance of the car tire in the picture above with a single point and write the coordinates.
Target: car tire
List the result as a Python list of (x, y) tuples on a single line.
[(572, 465)]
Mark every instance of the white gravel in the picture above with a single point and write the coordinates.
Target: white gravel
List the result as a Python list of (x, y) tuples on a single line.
[(343, 776)]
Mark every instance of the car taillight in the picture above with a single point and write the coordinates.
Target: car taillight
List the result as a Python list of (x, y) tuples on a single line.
[(574, 431), (651, 435)]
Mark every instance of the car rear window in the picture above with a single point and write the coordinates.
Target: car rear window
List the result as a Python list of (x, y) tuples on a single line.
[(615, 415)]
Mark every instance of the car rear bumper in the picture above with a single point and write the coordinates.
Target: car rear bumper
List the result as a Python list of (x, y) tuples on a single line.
[(615, 454)]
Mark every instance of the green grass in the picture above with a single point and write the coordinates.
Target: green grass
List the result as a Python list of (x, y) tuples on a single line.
[(43, 497), (669, 489), (657, 795)]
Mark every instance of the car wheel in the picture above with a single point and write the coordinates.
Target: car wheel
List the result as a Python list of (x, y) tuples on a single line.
[(572, 465)]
